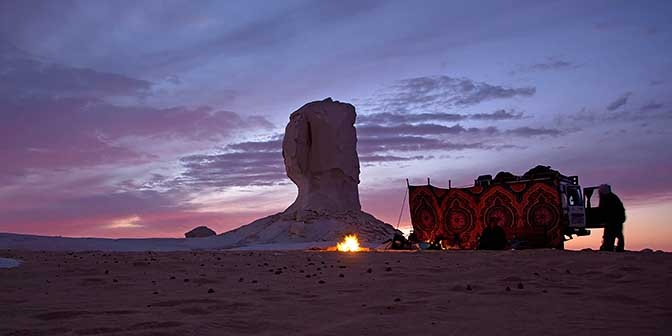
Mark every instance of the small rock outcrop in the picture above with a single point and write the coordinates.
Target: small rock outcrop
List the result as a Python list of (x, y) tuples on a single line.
[(320, 153), (200, 232)]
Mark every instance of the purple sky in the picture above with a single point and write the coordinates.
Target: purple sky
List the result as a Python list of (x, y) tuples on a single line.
[(146, 119)]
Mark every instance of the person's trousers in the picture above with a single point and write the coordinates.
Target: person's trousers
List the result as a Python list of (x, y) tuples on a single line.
[(611, 233)]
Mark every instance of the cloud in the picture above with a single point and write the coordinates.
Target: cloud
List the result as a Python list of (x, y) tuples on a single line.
[(260, 163), (550, 64), (56, 116), (651, 106), (273, 145), (429, 130), (22, 75), (254, 31), (75, 132), (437, 93), (622, 100), (391, 158), (420, 129), (100, 205), (405, 143), (128, 222), (530, 132), (398, 118), (652, 112), (98, 202), (244, 168), (497, 115), (395, 118)]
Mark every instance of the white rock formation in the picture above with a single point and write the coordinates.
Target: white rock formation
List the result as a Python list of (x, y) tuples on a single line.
[(320, 152)]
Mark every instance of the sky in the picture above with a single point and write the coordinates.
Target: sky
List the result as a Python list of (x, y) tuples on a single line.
[(148, 118)]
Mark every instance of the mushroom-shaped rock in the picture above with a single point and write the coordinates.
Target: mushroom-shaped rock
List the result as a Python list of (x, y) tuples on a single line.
[(320, 154), (200, 232)]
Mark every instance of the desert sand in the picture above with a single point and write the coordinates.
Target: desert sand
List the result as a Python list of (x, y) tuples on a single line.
[(530, 292)]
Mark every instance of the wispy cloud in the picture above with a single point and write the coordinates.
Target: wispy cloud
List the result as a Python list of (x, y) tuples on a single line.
[(550, 64), (437, 93), (497, 115), (231, 169), (651, 106), (56, 116), (22, 75), (620, 101), (398, 118), (420, 129), (531, 131), (124, 223)]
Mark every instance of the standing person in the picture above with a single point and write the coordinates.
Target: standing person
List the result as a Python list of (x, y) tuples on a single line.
[(493, 236), (613, 214)]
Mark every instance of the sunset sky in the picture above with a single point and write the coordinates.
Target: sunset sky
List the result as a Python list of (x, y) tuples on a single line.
[(148, 118)]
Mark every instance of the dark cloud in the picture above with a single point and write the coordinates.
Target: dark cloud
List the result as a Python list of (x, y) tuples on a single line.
[(420, 129), (273, 145), (651, 106), (622, 100), (550, 64), (648, 113), (407, 143), (245, 31), (56, 116), (497, 115), (244, 168), (260, 163), (427, 130), (530, 132), (78, 132), (395, 118), (438, 93), (383, 133), (398, 118), (22, 75), (391, 158)]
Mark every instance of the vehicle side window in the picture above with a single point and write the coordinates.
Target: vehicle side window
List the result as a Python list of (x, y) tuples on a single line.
[(574, 196)]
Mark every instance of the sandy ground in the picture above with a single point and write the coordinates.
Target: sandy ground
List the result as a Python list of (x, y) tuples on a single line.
[(329, 293)]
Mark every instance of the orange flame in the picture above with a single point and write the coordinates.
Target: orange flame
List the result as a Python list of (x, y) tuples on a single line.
[(350, 244)]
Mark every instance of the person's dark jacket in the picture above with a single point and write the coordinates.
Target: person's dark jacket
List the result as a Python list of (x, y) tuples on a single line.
[(612, 209)]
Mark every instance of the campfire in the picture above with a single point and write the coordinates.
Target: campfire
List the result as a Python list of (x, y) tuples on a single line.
[(349, 244)]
